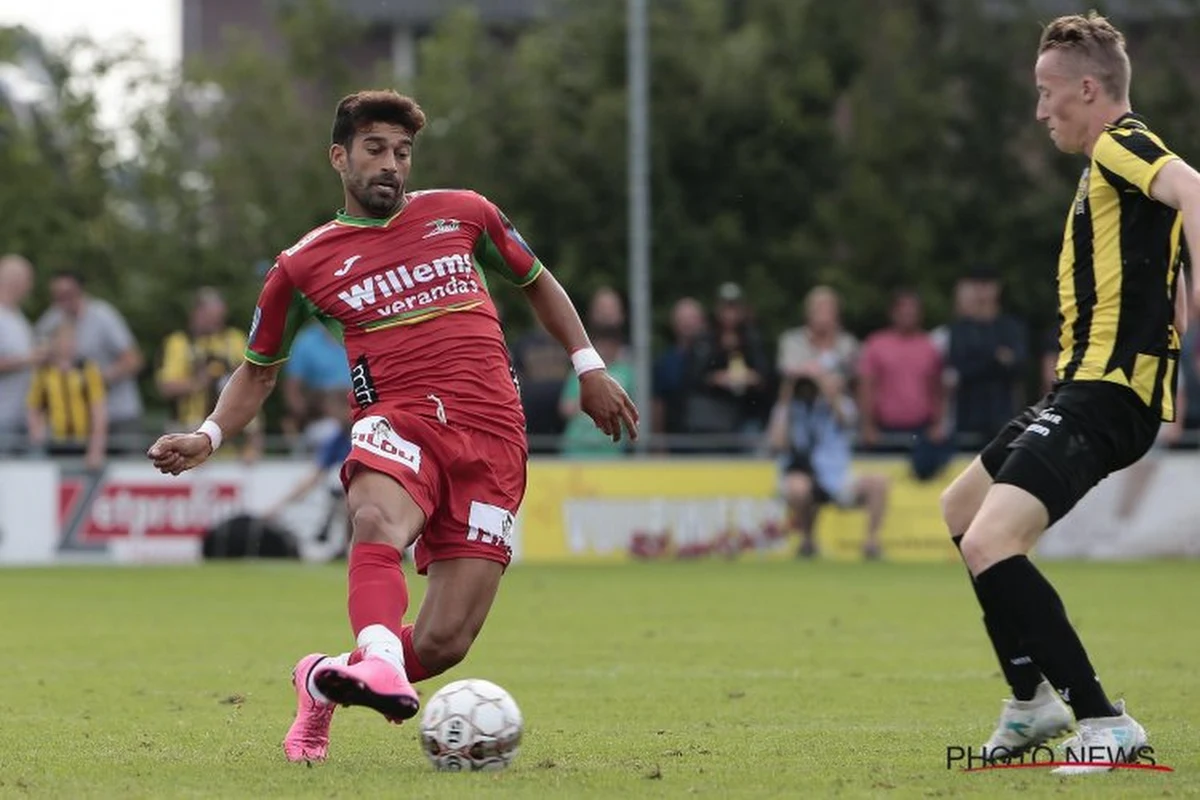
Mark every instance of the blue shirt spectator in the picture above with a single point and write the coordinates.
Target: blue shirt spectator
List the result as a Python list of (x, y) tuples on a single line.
[(318, 360), (317, 368), (821, 443), (334, 450), (672, 368)]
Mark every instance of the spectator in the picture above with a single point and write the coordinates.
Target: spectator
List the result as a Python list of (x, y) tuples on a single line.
[(1189, 378), (67, 405), (542, 367), (198, 361), (900, 389), (988, 352), (729, 376), (18, 355), (103, 337), (820, 340), (606, 309), (581, 438), (671, 384), (326, 470), (811, 429), (317, 367), (1049, 362)]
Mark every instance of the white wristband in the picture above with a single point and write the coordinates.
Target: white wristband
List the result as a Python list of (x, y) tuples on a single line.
[(213, 431), (586, 360)]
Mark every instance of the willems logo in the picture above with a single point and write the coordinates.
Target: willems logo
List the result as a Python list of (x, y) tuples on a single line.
[(976, 759)]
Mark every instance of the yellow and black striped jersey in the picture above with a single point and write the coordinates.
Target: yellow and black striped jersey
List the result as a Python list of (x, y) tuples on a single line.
[(66, 396), (1119, 268)]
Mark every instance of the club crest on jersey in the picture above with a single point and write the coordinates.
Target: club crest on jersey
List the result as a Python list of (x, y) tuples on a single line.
[(440, 226)]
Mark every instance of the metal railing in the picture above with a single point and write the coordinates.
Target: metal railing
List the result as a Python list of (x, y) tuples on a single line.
[(655, 445)]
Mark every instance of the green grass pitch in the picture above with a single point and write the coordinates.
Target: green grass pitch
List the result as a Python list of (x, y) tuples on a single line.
[(749, 679)]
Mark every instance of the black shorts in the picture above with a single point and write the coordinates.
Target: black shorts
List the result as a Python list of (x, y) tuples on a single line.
[(799, 463), (1069, 441)]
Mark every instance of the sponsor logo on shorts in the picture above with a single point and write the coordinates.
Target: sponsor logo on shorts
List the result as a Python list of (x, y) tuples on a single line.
[(1047, 417), (376, 435), (489, 524)]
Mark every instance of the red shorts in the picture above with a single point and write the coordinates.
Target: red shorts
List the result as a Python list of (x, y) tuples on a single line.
[(469, 484)]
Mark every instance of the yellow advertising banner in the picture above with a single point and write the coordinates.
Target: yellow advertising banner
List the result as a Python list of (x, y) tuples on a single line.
[(680, 509)]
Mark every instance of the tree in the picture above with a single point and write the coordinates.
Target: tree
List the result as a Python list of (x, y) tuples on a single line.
[(865, 144)]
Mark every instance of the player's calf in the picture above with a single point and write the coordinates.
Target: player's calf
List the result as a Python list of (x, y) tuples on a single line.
[(440, 647)]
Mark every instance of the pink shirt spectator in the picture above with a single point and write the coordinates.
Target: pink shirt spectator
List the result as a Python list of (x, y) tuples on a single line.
[(905, 371)]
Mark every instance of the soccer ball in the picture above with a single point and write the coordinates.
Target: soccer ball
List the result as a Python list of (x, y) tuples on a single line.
[(471, 725)]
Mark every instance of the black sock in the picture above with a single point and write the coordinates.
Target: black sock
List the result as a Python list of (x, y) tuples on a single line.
[(1015, 592), (1022, 674)]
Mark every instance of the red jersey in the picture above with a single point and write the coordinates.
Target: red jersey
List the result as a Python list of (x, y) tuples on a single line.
[(409, 299)]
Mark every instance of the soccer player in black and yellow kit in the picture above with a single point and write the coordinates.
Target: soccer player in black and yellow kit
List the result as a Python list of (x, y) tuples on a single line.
[(1121, 299)]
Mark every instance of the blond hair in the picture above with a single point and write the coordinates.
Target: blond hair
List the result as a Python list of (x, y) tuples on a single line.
[(1098, 45)]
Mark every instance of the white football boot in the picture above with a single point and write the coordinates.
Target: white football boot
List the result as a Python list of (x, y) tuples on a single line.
[(1025, 724), (1101, 742)]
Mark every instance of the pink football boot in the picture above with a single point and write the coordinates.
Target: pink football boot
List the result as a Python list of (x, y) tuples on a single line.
[(308, 738), (371, 682)]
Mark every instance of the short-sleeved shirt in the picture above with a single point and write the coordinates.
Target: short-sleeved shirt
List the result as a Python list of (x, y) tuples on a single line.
[(1118, 270), (582, 438), (216, 355), (409, 296), (906, 372), (796, 350), (102, 336), (16, 341), (318, 360), (826, 443), (66, 396)]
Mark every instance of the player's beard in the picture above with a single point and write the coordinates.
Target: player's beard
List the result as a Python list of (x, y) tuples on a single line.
[(380, 196)]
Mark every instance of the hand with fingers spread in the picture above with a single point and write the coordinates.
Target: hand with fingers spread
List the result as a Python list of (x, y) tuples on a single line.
[(178, 452), (603, 399)]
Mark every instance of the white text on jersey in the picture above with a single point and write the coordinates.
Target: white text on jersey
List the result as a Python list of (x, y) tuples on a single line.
[(398, 280)]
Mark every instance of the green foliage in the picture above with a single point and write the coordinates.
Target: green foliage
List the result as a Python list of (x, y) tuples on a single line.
[(865, 144)]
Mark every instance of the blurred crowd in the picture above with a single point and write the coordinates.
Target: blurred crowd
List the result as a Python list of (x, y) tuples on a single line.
[(69, 378)]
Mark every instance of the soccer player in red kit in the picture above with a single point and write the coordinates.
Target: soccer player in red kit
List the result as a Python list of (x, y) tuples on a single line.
[(439, 447)]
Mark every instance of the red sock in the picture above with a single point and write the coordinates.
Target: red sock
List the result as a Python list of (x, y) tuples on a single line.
[(412, 665), (378, 594)]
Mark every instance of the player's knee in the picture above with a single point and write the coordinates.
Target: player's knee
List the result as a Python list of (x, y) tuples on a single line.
[(978, 551), (440, 648), (957, 509), (988, 541), (371, 525)]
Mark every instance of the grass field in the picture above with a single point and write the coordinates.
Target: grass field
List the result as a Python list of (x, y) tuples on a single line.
[(700, 679)]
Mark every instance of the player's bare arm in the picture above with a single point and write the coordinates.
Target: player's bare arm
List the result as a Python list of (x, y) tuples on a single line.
[(1177, 185), (600, 397), (240, 402)]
